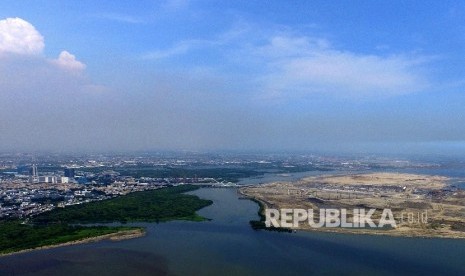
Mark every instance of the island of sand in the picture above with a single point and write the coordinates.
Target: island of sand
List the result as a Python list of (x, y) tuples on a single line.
[(422, 205)]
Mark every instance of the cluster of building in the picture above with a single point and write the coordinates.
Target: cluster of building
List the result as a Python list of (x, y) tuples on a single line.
[(24, 195), (73, 179), (52, 179)]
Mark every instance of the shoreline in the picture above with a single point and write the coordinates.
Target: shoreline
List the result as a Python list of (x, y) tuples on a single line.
[(117, 236), (168, 198), (395, 234)]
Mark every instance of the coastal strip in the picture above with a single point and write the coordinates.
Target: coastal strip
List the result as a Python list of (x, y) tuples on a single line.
[(118, 236), (67, 226)]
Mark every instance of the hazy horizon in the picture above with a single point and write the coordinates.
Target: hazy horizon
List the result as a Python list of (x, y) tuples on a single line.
[(239, 76)]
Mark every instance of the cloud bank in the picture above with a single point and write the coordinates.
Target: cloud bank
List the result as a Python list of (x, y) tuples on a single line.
[(303, 65), (19, 37), (247, 88), (68, 61), (41, 99), (289, 66)]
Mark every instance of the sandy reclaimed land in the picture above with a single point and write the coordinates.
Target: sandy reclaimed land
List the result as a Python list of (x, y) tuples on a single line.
[(122, 235), (402, 193), (383, 179)]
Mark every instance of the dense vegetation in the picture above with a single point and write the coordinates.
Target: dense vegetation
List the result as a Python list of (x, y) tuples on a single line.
[(58, 225), (260, 224), (15, 236), (154, 205)]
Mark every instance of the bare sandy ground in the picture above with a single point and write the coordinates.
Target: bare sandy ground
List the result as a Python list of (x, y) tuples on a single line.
[(404, 194), (383, 179)]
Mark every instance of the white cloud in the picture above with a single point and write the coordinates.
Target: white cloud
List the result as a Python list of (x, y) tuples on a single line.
[(287, 65), (226, 39), (20, 37), (282, 46), (68, 61), (35, 90), (182, 48), (305, 65)]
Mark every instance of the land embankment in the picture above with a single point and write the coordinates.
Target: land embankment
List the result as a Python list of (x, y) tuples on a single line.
[(422, 205)]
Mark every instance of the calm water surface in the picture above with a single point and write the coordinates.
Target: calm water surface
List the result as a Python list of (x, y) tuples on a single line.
[(226, 245)]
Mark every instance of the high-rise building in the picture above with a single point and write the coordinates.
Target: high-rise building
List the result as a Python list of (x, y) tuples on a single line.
[(69, 172), (34, 174)]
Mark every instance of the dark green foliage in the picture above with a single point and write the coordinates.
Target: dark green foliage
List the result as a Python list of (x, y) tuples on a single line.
[(15, 236), (154, 205), (260, 224), (54, 227)]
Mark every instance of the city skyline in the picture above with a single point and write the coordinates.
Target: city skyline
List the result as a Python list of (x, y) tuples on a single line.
[(203, 75)]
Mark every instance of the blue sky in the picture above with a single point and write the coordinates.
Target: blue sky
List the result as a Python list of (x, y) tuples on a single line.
[(241, 75)]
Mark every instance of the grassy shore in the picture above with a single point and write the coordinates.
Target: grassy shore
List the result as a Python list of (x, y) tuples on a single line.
[(65, 226), (17, 236), (87, 235), (260, 224)]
